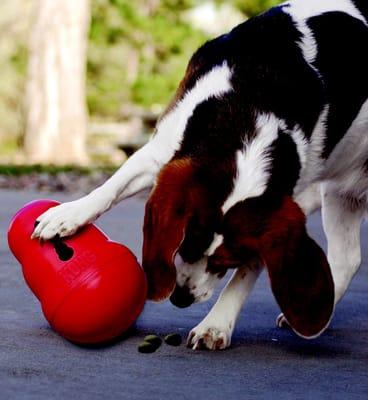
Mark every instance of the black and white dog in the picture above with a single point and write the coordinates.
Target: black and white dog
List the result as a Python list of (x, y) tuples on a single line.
[(269, 123)]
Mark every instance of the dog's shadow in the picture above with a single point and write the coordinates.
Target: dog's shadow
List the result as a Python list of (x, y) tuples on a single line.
[(333, 344)]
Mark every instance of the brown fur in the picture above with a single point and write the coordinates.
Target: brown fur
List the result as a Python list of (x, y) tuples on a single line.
[(300, 275), (168, 211), (182, 215)]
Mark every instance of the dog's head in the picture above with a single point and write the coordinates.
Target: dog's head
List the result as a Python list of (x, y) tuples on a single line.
[(181, 218)]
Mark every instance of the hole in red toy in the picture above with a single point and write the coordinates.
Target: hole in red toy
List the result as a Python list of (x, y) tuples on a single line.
[(63, 251)]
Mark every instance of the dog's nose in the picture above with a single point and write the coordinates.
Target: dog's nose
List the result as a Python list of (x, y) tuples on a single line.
[(181, 297)]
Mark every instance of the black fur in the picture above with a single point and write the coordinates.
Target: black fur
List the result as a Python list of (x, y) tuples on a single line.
[(366, 166), (343, 64), (285, 167), (270, 75)]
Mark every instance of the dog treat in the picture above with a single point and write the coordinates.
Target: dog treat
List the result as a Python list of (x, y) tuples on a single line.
[(174, 339), (147, 347), (150, 344), (153, 339)]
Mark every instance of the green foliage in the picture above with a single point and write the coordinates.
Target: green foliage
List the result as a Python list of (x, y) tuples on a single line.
[(20, 170), (12, 87), (254, 7), (138, 52)]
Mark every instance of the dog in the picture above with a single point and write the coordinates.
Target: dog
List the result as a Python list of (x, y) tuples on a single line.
[(269, 124)]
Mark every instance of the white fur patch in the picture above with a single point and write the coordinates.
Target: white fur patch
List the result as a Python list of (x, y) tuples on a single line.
[(217, 241), (304, 9), (196, 278), (253, 162), (308, 42), (171, 128), (353, 150), (299, 139), (313, 168), (301, 145)]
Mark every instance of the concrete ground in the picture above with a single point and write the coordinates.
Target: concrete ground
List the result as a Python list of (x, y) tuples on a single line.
[(263, 362)]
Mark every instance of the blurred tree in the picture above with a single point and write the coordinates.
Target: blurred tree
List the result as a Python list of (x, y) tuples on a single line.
[(14, 24), (56, 112)]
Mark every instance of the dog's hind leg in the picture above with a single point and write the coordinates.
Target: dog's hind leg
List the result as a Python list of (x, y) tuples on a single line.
[(310, 199), (136, 174), (342, 217)]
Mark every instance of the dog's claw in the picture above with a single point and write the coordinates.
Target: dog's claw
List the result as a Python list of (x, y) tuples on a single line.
[(281, 321), (210, 338)]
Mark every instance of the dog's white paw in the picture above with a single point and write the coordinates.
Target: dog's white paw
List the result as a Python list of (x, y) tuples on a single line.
[(65, 219), (281, 321), (209, 336)]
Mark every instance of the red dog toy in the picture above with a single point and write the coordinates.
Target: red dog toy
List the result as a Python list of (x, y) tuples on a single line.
[(91, 289)]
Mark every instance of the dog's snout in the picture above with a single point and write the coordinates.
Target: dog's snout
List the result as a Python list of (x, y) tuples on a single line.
[(181, 297)]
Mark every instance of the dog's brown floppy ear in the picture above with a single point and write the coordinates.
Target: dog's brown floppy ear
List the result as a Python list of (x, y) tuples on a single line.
[(166, 217), (299, 272), (300, 275), (302, 284)]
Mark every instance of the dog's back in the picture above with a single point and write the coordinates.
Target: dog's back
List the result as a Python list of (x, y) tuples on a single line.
[(304, 63), (334, 36)]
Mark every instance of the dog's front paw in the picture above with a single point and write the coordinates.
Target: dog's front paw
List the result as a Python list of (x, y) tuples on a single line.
[(209, 336), (281, 321), (65, 219)]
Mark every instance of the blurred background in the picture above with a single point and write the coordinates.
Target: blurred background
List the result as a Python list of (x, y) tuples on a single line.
[(83, 81)]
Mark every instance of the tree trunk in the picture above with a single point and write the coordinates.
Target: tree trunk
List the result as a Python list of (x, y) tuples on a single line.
[(56, 110)]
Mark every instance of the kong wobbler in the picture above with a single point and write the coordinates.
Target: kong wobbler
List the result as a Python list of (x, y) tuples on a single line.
[(91, 289)]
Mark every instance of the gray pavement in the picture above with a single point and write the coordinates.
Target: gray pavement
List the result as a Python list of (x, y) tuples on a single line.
[(263, 363)]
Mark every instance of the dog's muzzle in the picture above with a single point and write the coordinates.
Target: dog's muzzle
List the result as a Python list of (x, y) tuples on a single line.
[(181, 297)]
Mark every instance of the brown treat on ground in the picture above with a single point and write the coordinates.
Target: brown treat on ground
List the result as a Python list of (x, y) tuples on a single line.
[(174, 339), (153, 339), (147, 347)]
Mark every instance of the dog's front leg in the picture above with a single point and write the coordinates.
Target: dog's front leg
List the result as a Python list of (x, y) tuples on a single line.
[(135, 175), (215, 331)]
